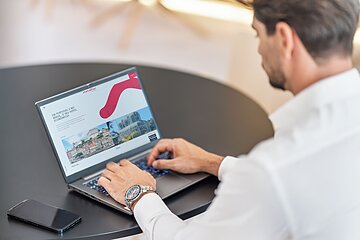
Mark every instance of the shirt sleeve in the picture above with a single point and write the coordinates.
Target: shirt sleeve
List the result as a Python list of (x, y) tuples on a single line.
[(227, 164), (245, 206)]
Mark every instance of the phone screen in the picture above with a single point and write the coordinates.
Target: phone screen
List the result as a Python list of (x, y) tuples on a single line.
[(43, 215)]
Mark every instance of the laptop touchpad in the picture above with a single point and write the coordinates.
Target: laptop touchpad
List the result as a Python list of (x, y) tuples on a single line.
[(170, 183)]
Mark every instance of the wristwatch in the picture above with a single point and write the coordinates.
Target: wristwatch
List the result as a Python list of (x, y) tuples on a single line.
[(134, 193)]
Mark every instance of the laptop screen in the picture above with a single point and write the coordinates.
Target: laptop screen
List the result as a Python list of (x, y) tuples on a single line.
[(99, 121)]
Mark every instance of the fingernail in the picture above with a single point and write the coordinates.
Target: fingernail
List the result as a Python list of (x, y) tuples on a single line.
[(154, 164)]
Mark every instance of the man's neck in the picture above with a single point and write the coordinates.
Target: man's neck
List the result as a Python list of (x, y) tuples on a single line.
[(317, 71)]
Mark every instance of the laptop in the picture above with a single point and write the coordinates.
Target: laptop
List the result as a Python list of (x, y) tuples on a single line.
[(106, 120)]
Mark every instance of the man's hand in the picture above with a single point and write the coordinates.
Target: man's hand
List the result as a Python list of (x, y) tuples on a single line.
[(187, 157), (118, 178)]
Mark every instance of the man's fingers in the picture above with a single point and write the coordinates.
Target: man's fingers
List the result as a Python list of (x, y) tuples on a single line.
[(107, 174), (164, 164), (111, 166), (164, 145), (105, 183), (124, 162)]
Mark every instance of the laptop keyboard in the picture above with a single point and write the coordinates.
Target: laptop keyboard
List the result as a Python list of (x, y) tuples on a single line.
[(94, 185), (142, 164)]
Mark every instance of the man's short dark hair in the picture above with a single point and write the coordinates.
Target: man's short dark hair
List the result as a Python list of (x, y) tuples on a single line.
[(325, 27)]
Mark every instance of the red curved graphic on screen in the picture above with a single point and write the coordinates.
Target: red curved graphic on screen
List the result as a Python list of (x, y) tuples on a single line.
[(115, 94)]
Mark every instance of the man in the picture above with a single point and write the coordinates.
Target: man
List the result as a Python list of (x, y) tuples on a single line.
[(304, 182)]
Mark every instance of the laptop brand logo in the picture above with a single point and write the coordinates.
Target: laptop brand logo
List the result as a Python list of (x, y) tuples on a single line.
[(89, 90)]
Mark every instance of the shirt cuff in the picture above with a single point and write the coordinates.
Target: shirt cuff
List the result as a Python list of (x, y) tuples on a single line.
[(148, 207), (226, 165)]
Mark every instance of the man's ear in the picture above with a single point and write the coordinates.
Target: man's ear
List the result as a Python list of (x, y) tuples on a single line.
[(284, 36)]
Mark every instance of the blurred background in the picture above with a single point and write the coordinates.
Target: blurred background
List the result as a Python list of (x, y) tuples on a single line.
[(211, 38)]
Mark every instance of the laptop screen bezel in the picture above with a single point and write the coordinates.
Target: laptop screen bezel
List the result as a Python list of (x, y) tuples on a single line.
[(90, 170)]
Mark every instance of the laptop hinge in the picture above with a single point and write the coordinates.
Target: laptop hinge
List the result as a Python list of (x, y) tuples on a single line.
[(130, 159), (93, 175)]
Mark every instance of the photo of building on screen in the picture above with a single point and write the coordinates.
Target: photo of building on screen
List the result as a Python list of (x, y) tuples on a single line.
[(109, 135)]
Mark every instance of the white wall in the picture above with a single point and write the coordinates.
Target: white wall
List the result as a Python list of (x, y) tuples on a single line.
[(32, 36), (33, 32)]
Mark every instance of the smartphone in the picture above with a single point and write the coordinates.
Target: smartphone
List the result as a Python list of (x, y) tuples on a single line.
[(43, 215)]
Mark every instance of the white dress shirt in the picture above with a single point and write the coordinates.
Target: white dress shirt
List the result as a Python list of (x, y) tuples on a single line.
[(302, 184)]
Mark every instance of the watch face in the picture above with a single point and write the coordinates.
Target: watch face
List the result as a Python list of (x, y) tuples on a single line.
[(133, 192)]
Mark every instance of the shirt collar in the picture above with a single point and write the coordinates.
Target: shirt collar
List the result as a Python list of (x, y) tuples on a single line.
[(318, 94)]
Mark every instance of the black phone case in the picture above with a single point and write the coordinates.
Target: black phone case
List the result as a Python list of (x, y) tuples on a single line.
[(57, 230)]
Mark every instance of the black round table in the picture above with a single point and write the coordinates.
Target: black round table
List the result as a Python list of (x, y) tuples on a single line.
[(214, 116)]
